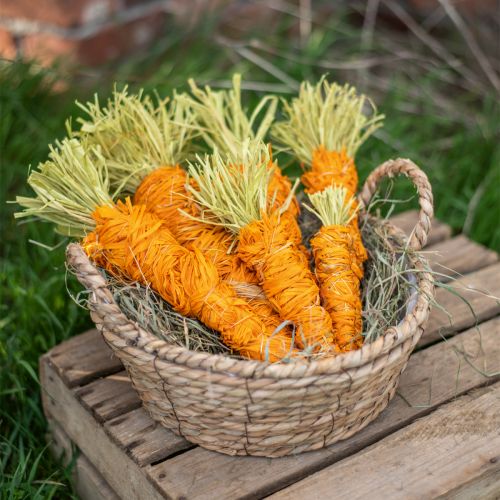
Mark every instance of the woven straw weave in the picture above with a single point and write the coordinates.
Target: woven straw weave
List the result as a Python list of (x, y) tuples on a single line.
[(243, 407)]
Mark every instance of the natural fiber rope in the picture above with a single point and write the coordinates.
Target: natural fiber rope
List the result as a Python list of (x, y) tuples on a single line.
[(401, 166)]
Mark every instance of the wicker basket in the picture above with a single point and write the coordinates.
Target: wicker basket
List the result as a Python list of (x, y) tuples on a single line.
[(241, 407)]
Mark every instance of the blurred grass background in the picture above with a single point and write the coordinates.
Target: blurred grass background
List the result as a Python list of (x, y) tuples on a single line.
[(439, 95)]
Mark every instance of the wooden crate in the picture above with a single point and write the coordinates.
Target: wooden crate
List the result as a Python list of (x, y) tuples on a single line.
[(440, 435)]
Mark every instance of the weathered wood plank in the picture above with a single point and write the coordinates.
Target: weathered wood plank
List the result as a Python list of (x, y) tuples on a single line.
[(87, 481), (433, 376), (459, 444), (118, 469), (480, 289), (144, 440), (407, 220), (458, 256), (84, 358), (109, 397)]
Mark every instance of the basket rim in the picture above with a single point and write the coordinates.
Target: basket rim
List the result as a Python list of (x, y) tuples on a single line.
[(123, 333)]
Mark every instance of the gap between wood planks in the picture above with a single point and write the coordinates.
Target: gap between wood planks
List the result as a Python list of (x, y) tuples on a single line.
[(128, 426)]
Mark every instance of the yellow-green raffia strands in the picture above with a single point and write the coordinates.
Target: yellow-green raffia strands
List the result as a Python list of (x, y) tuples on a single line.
[(329, 115), (223, 122), (68, 187), (333, 206), (137, 134), (232, 195)]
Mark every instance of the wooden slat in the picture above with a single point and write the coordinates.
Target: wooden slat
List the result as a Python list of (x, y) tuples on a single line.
[(84, 358), (109, 397), (480, 289), (457, 256), (118, 469), (433, 376), (407, 220), (87, 481), (143, 439), (452, 449)]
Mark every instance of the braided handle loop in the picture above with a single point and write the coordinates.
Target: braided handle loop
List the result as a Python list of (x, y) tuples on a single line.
[(406, 167)]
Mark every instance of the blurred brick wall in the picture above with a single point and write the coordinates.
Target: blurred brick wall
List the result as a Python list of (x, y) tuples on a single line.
[(87, 32)]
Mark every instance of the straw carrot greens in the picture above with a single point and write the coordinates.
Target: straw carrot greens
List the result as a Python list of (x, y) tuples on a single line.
[(136, 134), (324, 126), (225, 126)]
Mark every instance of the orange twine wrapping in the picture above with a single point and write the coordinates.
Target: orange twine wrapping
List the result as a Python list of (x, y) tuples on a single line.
[(333, 168), (286, 279), (339, 275), (129, 241), (329, 168), (164, 193)]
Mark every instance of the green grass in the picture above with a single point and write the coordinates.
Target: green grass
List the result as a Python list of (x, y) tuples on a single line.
[(431, 119)]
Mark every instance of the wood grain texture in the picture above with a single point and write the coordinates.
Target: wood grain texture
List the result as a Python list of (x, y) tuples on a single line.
[(469, 300), (109, 397), (118, 469), (457, 256), (87, 481), (459, 444), (432, 377), (143, 439), (84, 358), (407, 220)]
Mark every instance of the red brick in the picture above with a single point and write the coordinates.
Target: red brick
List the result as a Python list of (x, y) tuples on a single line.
[(108, 44), (65, 13), (8, 48)]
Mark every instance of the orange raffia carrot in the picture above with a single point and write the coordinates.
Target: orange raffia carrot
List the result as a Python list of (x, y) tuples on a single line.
[(267, 239), (337, 267), (324, 127), (130, 241)]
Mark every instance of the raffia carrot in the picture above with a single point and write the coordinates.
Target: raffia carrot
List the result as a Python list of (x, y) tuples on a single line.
[(324, 126), (337, 268), (72, 191), (266, 239)]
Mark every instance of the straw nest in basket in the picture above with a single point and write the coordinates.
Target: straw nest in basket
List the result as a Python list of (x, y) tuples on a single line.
[(388, 293)]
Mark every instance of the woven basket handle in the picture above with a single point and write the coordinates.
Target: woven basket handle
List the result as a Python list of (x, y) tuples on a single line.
[(401, 166)]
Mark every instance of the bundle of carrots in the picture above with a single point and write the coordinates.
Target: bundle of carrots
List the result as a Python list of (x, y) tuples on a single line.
[(216, 234)]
